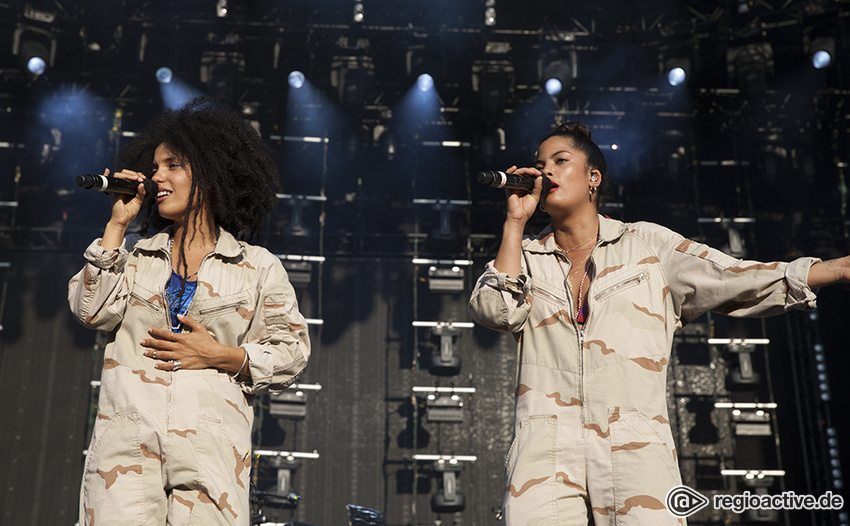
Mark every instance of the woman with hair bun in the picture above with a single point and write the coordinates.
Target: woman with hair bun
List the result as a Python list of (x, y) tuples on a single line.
[(203, 320), (594, 303)]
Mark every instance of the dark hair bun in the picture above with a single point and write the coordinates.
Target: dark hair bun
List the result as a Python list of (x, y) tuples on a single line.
[(575, 129)]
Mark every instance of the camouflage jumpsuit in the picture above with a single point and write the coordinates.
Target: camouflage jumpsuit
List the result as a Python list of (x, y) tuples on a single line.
[(591, 426), (174, 447)]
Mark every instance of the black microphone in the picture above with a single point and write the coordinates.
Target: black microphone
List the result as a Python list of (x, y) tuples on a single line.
[(115, 185), (512, 181)]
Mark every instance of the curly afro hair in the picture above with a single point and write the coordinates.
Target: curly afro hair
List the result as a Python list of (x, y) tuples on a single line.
[(232, 168)]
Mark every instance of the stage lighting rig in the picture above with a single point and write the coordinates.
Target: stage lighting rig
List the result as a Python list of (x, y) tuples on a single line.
[(296, 79), (359, 14), (445, 279), (490, 13), (222, 72), (493, 80), (751, 64), (221, 8), (425, 65), (489, 142), (743, 377), (35, 48), (822, 52), (445, 362), (353, 77), (557, 69), (677, 71), (164, 75), (449, 499), (388, 142)]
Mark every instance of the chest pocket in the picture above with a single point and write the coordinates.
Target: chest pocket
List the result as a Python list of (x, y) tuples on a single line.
[(140, 297), (621, 282), (226, 317), (549, 301)]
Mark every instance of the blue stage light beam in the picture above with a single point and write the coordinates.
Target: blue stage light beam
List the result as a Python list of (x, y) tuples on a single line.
[(176, 93)]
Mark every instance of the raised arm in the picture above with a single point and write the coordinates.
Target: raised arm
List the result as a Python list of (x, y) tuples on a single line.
[(829, 272), (521, 206)]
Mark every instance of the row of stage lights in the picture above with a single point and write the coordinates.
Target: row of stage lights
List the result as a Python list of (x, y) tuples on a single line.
[(296, 79), (677, 73), (821, 53)]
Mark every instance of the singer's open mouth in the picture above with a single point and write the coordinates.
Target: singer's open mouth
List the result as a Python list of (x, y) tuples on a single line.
[(163, 193), (554, 187)]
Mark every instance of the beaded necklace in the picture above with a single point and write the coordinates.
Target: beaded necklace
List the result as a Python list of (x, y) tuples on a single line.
[(582, 309), (179, 291)]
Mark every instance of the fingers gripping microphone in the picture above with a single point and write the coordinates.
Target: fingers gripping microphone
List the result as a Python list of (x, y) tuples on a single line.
[(115, 185), (512, 181)]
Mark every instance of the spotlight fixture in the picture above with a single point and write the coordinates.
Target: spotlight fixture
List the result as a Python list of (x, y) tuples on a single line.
[(296, 79), (444, 408), (444, 362), (557, 70), (425, 82), (288, 404), (676, 70), (358, 14), (221, 8), (448, 499), (36, 64), (164, 75), (35, 49), (490, 13), (444, 279), (425, 65), (822, 52), (388, 142)]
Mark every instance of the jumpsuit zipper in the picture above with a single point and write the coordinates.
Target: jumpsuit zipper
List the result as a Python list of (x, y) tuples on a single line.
[(580, 336)]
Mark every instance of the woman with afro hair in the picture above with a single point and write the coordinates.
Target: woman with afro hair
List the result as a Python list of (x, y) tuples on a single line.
[(202, 321)]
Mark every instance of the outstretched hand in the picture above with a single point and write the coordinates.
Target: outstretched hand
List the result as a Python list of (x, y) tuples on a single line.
[(196, 349)]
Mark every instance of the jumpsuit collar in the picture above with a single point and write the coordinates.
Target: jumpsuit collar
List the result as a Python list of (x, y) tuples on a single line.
[(544, 243), (227, 245)]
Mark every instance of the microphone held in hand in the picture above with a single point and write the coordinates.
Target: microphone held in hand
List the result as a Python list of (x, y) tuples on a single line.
[(114, 185), (512, 181)]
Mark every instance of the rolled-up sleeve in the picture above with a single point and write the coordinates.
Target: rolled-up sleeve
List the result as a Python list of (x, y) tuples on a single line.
[(800, 295), (705, 279), (97, 294), (499, 301), (278, 342)]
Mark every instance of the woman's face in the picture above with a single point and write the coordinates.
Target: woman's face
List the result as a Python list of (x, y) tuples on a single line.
[(174, 182), (571, 176)]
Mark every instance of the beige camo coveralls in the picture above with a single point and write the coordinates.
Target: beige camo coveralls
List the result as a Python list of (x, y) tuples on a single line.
[(175, 447), (591, 425)]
